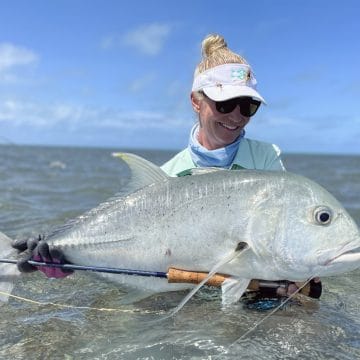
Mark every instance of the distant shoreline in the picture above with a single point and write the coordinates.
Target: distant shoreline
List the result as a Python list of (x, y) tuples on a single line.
[(158, 150)]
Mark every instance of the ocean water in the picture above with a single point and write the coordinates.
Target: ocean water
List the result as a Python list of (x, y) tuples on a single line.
[(42, 187)]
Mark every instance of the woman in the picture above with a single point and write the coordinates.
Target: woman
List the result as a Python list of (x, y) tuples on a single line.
[(224, 96)]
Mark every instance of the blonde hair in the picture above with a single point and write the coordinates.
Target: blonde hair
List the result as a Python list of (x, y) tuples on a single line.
[(216, 52)]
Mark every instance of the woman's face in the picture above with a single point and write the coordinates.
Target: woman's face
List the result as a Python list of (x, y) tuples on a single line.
[(216, 129)]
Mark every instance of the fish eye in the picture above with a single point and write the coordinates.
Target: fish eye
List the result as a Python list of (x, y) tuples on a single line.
[(323, 216)]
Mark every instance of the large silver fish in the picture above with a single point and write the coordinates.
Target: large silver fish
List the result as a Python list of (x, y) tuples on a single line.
[(288, 227)]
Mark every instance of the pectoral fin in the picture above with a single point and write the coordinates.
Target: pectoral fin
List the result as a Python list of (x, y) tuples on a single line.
[(232, 290)]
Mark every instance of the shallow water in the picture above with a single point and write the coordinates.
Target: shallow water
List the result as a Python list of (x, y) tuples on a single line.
[(42, 187)]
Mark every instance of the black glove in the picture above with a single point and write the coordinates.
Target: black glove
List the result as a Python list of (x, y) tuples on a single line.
[(37, 249)]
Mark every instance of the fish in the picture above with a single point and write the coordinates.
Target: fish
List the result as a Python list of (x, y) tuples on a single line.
[(248, 224)]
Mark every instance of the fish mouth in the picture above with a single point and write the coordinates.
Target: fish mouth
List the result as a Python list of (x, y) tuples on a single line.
[(351, 256)]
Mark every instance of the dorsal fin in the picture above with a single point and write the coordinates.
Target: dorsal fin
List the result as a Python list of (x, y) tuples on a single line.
[(143, 172)]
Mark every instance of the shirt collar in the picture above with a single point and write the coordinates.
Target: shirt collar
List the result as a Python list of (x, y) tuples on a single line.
[(222, 157)]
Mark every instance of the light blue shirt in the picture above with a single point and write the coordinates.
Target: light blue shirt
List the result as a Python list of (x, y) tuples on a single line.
[(251, 154)]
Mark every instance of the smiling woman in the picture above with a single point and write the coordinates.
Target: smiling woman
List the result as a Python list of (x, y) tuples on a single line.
[(224, 96)]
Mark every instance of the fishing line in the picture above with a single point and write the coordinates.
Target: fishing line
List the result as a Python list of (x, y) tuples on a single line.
[(266, 317), (66, 306)]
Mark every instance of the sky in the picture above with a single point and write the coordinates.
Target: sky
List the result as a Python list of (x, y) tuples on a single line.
[(118, 74)]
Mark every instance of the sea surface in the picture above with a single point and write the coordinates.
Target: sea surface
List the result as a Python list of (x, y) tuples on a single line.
[(42, 187)]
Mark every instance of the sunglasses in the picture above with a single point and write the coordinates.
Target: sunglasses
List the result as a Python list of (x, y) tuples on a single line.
[(248, 106)]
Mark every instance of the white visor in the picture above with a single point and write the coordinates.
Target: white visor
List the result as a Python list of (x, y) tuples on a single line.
[(226, 82)]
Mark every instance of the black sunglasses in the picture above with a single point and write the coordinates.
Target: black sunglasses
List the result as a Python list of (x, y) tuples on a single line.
[(248, 106)]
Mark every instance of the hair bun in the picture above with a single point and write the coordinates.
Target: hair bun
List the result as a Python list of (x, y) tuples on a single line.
[(211, 44)]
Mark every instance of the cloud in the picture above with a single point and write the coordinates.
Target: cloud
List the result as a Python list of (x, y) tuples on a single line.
[(12, 56), (318, 133), (19, 113), (148, 39), (352, 88), (141, 83)]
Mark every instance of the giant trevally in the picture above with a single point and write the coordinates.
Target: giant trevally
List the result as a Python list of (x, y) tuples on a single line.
[(248, 224)]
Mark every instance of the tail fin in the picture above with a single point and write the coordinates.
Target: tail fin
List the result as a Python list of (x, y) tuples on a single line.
[(8, 272)]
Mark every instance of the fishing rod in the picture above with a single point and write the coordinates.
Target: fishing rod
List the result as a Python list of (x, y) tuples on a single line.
[(173, 275), (101, 269)]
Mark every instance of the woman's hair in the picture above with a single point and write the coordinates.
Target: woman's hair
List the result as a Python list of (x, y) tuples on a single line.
[(215, 52)]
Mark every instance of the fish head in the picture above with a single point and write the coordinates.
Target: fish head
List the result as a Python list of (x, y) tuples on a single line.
[(338, 240), (320, 238), (300, 230)]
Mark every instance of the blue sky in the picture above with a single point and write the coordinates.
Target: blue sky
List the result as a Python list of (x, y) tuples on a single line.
[(119, 73)]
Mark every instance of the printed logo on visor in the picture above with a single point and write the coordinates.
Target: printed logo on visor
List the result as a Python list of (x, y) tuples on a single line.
[(238, 74)]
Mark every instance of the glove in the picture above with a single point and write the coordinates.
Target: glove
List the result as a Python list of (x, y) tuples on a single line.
[(37, 249)]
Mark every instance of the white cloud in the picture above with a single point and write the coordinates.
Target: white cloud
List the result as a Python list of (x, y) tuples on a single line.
[(147, 39), (12, 56), (141, 83), (19, 113), (109, 42)]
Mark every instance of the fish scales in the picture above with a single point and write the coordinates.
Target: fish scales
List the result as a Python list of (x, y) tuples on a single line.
[(154, 221), (152, 216)]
